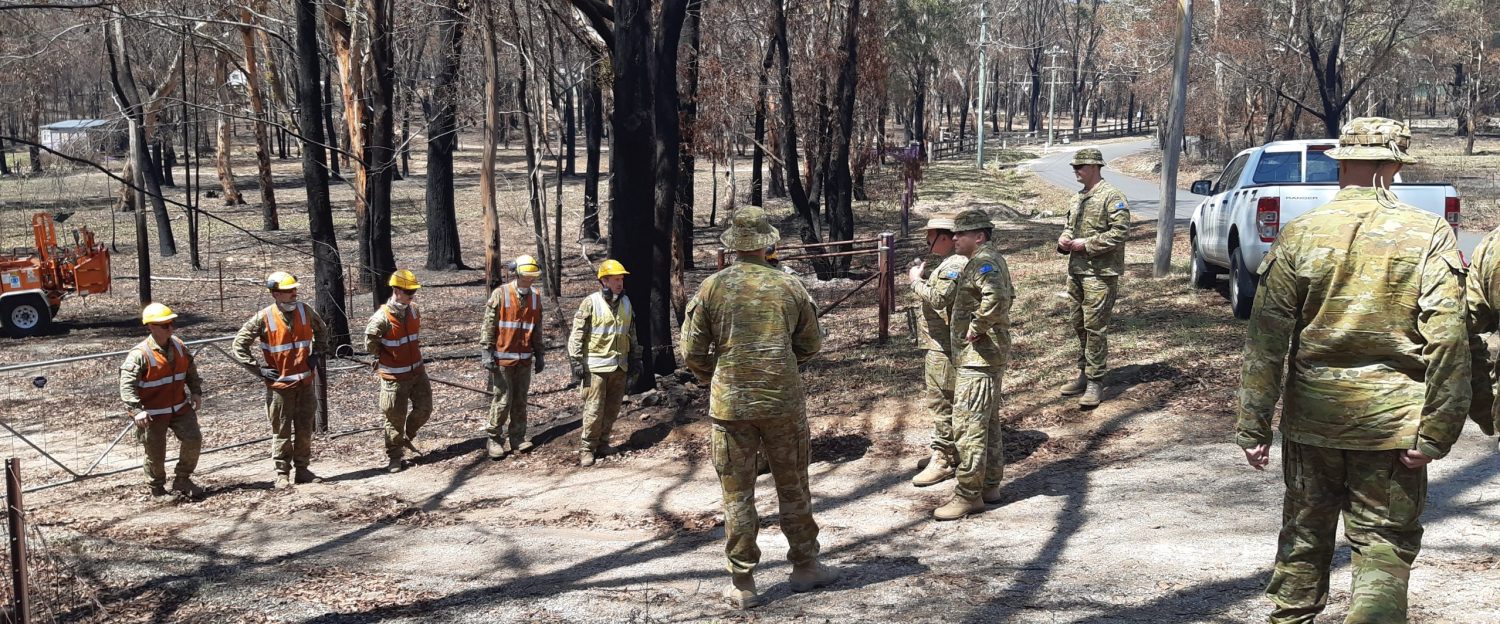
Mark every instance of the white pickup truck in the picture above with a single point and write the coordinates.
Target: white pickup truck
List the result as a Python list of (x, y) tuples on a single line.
[(1264, 187)]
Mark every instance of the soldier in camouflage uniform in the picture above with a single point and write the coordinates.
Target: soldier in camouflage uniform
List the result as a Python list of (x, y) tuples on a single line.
[(1094, 239), (1365, 295), (980, 340), (747, 330), (935, 289), (393, 336), (160, 385), (1482, 292)]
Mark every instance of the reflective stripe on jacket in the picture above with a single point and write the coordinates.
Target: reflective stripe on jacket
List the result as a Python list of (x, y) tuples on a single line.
[(516, 319), (609, 334), (287, 346), (400, 346), (163, 383)]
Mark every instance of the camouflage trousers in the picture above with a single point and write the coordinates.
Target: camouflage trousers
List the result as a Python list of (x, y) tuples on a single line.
[(938, 395), (395, 397), (1093, 302), (602, 393), (784, 443), (183, 425), (511, 385), (291, 412), (976, 431), (1381, 500)]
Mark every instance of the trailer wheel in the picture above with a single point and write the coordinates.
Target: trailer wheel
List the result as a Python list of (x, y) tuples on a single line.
[(24, 315)]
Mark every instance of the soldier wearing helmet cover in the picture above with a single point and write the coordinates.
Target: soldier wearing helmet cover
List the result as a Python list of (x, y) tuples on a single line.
[(393, 336), (292, 339), (513, 347)]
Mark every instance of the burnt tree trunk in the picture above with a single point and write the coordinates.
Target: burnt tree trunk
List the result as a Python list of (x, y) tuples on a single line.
[(380, 148), (840, 187), (443, 252), (268, 219), (682, 231), (328, 269), (757, 160), (593, 132), (809, 228)]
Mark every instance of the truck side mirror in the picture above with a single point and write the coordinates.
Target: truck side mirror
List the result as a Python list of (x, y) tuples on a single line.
[(1202, 187)]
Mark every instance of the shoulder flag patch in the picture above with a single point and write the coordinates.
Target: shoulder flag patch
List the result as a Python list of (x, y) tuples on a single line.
[(986, 268), (950, 275), (1119, 205)]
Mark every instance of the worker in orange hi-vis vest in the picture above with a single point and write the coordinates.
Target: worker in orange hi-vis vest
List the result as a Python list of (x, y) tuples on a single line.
[(513, 348), (393, 336), (159, 382), (292, 339)]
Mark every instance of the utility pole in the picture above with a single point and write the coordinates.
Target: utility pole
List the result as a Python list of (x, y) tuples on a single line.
[(1167, 217), (983, 76), (1052, 92)]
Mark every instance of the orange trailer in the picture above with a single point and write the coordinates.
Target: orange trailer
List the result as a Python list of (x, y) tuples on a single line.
[(33, 286)]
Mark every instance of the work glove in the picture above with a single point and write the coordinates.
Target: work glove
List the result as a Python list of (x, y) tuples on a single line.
[(575, 368), (141, 419), (632, 375), (269, 374), (488, 360), (539, 364), (315, 361)]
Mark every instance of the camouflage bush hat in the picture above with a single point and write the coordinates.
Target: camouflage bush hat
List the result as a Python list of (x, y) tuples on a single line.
[(939, 221), (1088, 156), (1374, 138), (972, 219), (749, 230)]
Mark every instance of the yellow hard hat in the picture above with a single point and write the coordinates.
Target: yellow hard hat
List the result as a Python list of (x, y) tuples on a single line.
[(526, 265), (281, 280), (405, 280), (612, 267), (157, 313)]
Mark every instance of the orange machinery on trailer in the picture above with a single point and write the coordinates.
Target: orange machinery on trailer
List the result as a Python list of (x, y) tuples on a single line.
[(33, 283)]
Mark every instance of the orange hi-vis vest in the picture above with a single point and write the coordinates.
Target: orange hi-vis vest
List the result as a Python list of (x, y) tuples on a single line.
[(163, 385), (515, 320), (287, 347), (400, 347)]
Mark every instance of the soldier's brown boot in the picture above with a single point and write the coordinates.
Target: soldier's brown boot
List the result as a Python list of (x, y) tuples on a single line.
[(741, 592), (812, 575), (1077, 386), (524, 447), (958, 508), (306, 476), (1092, 395), (937, 471), (394, 465), (158, 490), (186, 487), (585, 458), (495, 449), (283, 481), (991, 495)]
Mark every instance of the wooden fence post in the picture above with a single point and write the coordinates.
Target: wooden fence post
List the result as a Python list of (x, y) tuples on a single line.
[(887, 266), (721, 258), (16, 523)]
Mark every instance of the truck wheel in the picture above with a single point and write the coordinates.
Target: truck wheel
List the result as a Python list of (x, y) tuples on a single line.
[(24, 316), (1202, 275), (1241, 286)]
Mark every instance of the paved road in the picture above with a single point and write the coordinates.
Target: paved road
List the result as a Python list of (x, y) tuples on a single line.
[(1145, 195)]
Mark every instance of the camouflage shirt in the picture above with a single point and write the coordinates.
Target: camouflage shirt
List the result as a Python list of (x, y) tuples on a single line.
[(1102, 219), (1483, 295), (936, 293), (1365, 297), (981, 305), (748, 329)]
